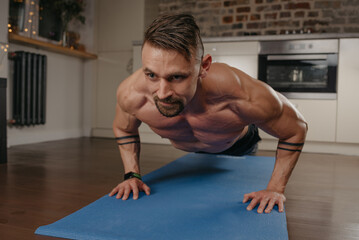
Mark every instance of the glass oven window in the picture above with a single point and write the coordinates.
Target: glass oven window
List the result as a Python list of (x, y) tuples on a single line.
[(297, 74), (314, 73)]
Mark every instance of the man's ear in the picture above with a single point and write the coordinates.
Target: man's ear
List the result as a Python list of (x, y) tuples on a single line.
[(205, 65)]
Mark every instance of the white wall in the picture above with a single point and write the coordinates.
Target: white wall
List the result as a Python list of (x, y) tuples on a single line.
[(88, 34), (69, 106), (119, 24), (3, 37), (64, 101)]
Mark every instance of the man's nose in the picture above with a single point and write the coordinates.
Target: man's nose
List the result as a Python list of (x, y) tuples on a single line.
[(164, 90)]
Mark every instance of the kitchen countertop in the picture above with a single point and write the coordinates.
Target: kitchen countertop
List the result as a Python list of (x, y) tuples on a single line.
[(282, 37), (276, 37)]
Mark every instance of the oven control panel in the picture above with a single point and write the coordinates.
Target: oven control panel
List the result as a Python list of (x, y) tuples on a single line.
[(299, 46)]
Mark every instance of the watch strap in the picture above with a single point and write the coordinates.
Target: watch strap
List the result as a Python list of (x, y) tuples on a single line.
[(132, 175)]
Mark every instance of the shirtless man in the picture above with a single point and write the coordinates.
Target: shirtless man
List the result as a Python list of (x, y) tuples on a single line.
[(201, 107)]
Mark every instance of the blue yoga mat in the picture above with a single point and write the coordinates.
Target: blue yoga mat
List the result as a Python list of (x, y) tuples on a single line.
[(198, 196)]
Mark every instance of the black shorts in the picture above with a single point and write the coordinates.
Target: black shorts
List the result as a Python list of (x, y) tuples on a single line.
[(245, 145)]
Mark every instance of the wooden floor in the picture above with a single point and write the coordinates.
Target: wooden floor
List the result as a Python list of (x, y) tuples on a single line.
[(44, 182)]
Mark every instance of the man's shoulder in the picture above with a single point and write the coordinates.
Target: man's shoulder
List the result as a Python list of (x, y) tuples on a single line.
[(130, 93), (249, 97), (222, 80)]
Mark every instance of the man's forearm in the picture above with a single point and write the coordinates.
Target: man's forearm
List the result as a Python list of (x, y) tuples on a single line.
[(287, 155), (284, 165), (129, 146)]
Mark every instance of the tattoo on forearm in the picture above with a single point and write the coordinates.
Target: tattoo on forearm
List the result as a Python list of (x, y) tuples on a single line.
[(136, 137), (128, 142), (125, 137), (291, 144), (291, 150), (292, 147)]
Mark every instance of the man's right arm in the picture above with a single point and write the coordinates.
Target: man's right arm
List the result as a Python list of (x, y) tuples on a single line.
[(125, 127)]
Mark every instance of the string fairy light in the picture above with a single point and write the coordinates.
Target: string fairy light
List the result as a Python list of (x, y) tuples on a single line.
[(3, 51)]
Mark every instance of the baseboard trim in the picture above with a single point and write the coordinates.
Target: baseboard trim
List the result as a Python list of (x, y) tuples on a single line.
[(20, 138)]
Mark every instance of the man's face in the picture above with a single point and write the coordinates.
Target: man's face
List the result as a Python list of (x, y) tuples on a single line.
[(171, 79)]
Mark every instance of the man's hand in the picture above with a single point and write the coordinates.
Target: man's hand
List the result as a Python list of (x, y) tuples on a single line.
[(265, 198), (133, 185)]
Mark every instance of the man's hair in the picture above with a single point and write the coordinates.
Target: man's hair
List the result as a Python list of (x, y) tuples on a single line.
[(178, 32)]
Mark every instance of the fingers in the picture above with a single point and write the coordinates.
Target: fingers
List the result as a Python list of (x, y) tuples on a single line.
[(266, 200), (125, 188), (114, 191), (253, 203), (262, 205), (120, 193), (126, 193), (270, 206), (280, 206), (146, 189), (135, 191), (248, 196)]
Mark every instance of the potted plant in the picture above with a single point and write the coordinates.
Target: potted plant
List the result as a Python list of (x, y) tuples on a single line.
[(69, 10)]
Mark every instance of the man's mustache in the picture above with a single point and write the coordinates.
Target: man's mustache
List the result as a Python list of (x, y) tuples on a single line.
[(168, 100)]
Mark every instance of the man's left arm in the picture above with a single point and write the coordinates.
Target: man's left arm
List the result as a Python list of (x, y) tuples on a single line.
[(290, 128)]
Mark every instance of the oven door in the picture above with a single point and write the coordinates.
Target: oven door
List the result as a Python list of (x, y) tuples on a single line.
[(299, 73)]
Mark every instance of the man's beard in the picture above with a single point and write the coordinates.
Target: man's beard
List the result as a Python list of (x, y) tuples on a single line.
[(172, 110)]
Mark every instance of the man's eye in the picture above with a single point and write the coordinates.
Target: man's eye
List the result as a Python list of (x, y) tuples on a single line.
[(177, 77), (150, 75)]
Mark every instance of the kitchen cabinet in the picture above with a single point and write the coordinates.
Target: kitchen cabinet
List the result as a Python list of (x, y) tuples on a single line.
[(348, 91), (137, 60), (320, 116), (241, 55)]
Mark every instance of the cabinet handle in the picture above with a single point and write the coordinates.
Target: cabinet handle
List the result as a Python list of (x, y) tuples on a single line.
[(297, 57)]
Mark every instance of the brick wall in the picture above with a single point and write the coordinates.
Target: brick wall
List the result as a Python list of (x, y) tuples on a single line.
[(267, 17)]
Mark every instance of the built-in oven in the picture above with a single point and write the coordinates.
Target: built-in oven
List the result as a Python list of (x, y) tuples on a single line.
[(300, 68)]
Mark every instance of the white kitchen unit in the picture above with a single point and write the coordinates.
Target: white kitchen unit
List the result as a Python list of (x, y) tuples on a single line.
[(320, 116), (348, 92), (137, 60), (241, 55)]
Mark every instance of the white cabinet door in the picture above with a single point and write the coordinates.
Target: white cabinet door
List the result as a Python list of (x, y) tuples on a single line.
[(241, 55), (321, 118), (137, 58), (247, 64), (348, 91)]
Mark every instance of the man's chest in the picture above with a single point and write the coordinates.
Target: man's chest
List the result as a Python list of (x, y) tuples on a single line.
[(212, 126)]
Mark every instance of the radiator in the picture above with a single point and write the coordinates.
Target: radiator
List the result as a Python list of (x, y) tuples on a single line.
[(29, 88)]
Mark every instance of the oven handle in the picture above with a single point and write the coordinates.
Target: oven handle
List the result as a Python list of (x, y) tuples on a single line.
[(298, 57)]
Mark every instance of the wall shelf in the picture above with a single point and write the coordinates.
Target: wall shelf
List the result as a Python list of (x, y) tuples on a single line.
[(14, 38)]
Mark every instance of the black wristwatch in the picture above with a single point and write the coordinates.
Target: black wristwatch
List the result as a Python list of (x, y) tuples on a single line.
[(132, 175)]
